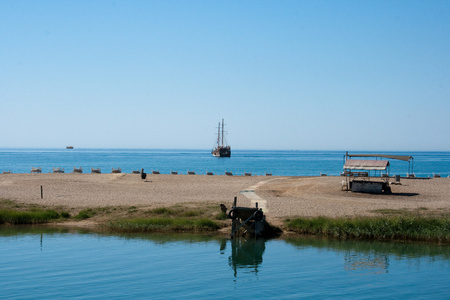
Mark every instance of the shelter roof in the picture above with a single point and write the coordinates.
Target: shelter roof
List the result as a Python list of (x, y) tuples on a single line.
[(399, 157), (364, 164)]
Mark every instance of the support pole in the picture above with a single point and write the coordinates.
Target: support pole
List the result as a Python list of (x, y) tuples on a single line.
[(233, 223), (42, 193), (222, 132)]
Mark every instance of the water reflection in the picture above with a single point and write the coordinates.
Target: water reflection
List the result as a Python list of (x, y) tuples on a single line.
[(373, 257), (246, 254), (53, 263), (371, 263)]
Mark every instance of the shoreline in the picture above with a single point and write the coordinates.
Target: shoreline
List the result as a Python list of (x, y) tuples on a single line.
[(280, 197), (284, 196)]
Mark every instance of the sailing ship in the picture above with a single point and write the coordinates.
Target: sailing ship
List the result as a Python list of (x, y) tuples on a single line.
[(221, 150)]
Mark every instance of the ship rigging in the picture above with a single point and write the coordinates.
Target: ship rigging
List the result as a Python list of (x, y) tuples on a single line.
[(221, 150)]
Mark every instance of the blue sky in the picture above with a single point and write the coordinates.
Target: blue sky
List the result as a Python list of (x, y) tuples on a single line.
[(303, 75)]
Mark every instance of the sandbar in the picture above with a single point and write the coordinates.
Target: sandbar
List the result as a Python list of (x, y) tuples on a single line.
[(280, 197)]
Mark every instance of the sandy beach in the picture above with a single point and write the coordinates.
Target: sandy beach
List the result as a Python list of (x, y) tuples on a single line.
[(280, 197)]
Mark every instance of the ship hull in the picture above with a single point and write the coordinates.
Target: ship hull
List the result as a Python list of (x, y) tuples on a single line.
[(222, 152)]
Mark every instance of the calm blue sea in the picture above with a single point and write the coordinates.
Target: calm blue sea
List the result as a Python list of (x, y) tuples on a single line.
[(41, 264), (282, 163)]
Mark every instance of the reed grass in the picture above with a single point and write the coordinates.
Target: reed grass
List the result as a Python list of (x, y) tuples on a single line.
[(164, 224), (381, 228), (85, 214), (222, 216), (37, 216)]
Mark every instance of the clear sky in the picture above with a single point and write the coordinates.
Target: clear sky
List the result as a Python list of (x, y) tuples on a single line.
[(293, 75)]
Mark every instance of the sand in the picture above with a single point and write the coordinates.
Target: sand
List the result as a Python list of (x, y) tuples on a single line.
[(280, 197)]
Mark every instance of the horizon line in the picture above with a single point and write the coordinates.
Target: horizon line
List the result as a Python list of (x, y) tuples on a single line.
[(204, 149)]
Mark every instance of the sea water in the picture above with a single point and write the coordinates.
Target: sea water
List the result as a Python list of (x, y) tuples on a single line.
[(57, 264), (257, 162)]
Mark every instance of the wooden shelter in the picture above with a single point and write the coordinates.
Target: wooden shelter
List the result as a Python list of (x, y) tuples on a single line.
[(358, 171)]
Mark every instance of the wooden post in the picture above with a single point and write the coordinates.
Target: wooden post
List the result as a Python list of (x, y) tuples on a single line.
[(42, 193), (233, 221)]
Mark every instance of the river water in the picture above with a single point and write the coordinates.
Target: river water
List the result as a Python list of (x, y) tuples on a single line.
[(38, 263)]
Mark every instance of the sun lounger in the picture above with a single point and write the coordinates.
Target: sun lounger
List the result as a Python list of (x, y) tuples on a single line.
[(118, 170), (58, 170), (36, 170)]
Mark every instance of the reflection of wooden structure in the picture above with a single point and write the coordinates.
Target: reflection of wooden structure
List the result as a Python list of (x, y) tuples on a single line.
[(251, 220), (366, 263), (246, 254)]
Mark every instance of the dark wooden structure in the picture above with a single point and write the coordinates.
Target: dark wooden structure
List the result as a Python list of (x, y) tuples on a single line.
[(250, 219)]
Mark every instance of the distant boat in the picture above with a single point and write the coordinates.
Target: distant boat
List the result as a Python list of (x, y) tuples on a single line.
[(69, 147), (221, 150)]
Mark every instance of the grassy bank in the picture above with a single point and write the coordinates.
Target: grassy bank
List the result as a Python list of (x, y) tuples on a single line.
[(406, 228), (172, 219), (38, 216), (416, 225), (164, 225)]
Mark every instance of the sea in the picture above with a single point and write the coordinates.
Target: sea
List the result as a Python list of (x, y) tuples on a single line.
[(257, 162), (42, 262)]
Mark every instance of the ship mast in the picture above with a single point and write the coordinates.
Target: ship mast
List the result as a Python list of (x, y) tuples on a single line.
[(222, 132), (218, 135)]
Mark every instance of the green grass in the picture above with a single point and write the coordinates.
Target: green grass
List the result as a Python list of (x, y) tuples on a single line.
[(37, 216), (65, 215), (164, 224), (222, 216), (85, 214), (164, 211), (381, 228)]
